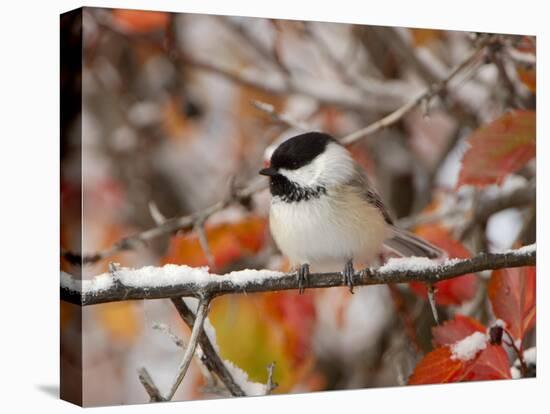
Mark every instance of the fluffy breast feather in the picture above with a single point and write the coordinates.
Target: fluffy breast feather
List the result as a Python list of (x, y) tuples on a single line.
[(334, 227)]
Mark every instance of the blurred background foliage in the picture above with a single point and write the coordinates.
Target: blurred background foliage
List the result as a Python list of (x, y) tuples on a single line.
[(168, 124)]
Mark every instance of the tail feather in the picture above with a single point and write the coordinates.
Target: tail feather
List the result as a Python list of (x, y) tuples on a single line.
[(406, 244)]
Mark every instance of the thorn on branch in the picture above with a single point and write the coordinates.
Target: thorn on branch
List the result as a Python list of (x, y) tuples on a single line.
[(156, 215), (270, 386), (203, 241), (431, 299)]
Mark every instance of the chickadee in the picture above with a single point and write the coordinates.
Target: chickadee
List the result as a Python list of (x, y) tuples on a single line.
[(323, 209)]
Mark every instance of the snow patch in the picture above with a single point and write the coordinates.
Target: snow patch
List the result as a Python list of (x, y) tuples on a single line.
[(524, 250), (150, 277), (401, 264), (415, 264), (468, 347), (241, 378), (500, 323), (98, 283), (530, 356)]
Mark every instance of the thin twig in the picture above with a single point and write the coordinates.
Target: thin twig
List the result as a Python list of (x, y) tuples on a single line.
[(210, 357), (155, 213), (270, 386), (282, 118), (166, 329), (518, 351), (487, 206), (203, 241), (149, 385), (198, 326), (433, 90), (252, 41), (216, 285), (395, 92), (431, 299)]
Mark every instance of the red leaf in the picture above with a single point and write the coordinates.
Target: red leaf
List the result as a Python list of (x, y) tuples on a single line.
[(294, 316), (452, 291), (437, 367), (499, 148), (455, 329), (491, 364), (513, 296)]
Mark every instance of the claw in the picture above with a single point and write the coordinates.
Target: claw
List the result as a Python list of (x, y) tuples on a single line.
[(349, 273), (303, 277)]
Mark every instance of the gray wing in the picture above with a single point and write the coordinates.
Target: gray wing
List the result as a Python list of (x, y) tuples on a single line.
[(370, 194), (401, 241)]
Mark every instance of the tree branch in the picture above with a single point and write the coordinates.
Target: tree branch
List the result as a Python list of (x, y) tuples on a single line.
[(257, 184), (149, 385), (173, 281), (487, 206), (483, 209), (432, 90), (198, 326), (210, 358)]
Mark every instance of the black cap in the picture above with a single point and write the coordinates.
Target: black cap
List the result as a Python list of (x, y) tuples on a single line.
[(299, 151)]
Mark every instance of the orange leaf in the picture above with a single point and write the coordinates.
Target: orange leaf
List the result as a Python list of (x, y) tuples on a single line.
[(456, 329), (437, 367), (499, 148), (513, 297), (120, 320), (529, 78), (228, 243), (452, 291), (140, 21), (422, 37)]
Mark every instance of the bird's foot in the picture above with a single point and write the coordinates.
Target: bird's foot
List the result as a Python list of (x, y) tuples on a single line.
[(349, 273), (303, 277)]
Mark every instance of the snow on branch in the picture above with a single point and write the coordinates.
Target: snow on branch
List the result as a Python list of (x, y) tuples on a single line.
[(173, 281)]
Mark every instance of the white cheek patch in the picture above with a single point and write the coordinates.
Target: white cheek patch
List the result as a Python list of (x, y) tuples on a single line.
[(334, 166), (305, 176)]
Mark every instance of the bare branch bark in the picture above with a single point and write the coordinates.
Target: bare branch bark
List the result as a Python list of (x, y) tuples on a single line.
[(487, 206), (282, 118), (432, 90), (198, 327), (149, 385), (210, 358), (431, 272)]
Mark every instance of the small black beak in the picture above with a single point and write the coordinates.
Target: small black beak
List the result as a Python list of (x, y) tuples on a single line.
[(270, 172)]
